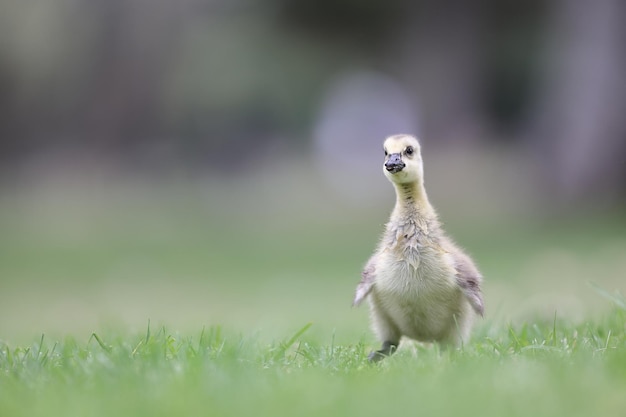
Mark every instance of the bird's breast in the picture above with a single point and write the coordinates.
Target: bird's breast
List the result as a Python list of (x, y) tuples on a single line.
[(414, 272)]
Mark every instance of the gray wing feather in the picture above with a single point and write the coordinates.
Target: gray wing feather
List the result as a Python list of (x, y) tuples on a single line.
[(367, 282), (469, 280)]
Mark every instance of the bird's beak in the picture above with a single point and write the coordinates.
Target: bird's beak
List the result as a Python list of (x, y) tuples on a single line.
[(394, 164)]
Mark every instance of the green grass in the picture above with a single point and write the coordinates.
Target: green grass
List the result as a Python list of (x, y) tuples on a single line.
[(229, 297), (540, 368)]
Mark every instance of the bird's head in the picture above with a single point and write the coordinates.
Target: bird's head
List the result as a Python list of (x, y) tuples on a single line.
[(403, 159)]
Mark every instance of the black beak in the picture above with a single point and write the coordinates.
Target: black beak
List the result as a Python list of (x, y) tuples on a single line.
[(394, 163)]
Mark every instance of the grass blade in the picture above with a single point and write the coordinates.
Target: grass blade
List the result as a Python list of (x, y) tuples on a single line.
[(297, 335), (616, 297), (101, 343)]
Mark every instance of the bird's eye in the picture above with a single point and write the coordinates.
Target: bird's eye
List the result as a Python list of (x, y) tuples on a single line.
[(409, 150)]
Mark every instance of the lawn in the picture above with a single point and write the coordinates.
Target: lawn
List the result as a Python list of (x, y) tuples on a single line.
[(146, 304), (541, 369)]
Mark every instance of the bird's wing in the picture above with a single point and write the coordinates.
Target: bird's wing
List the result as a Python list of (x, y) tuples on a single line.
[(367, 282), (469, 279)]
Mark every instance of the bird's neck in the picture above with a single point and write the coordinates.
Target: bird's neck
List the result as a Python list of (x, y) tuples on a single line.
[(412, 201)]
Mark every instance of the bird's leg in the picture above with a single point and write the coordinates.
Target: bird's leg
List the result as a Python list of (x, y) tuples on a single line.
[(387, 349)]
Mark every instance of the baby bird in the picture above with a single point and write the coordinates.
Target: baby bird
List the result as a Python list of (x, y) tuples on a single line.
[(419, 284)]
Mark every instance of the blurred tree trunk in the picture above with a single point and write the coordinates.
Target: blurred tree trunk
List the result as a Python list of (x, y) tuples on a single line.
[(578, 125), (131, 54), (440, 56)]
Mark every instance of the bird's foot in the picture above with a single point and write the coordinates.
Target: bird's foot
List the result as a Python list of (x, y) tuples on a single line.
[(387, 349)]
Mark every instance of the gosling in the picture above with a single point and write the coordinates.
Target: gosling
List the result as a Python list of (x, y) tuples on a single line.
[(419, 284)]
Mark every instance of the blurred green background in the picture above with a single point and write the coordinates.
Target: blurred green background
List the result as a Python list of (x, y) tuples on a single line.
[(201, 162)]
